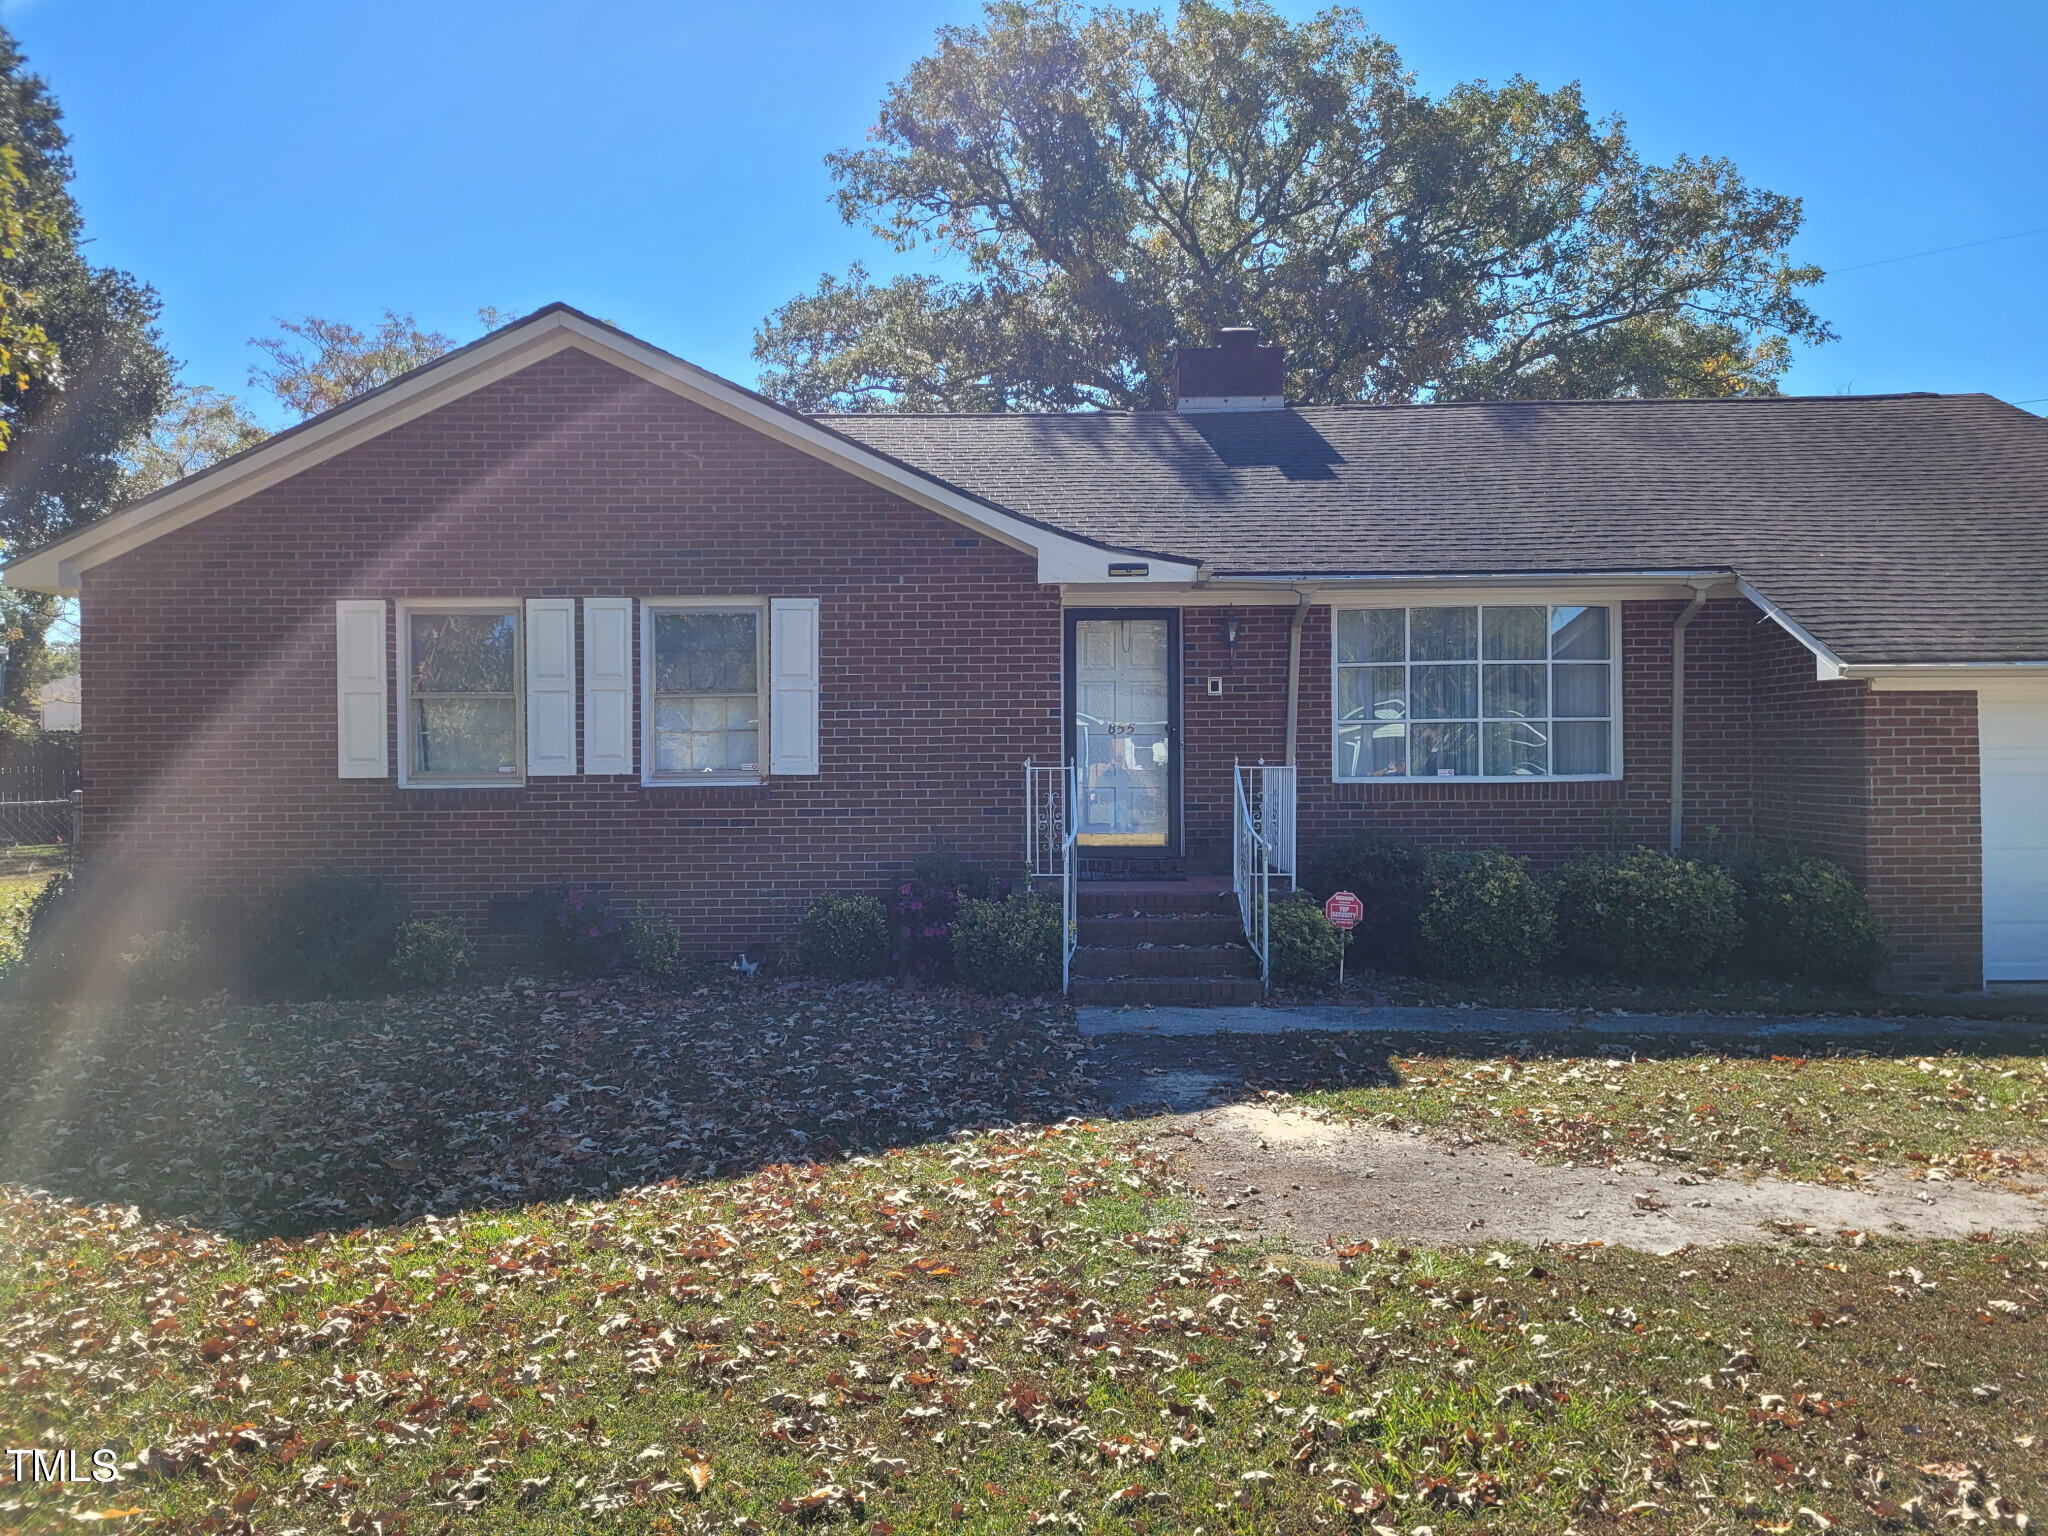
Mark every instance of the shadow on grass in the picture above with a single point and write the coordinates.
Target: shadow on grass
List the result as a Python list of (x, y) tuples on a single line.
[(286, 1119)]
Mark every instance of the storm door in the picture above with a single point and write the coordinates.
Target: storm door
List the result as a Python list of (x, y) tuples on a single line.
[(1125, 727)]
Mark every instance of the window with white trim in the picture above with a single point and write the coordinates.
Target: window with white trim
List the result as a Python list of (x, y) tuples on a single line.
[(459, 678), (704, 666), (1480, 691)]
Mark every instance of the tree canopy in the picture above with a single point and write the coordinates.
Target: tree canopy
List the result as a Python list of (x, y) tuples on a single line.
[(84, 372), (1105, 184), (200, 426), (318, 364)]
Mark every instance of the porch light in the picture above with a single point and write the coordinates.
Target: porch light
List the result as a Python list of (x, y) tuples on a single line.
[(1229, 630)]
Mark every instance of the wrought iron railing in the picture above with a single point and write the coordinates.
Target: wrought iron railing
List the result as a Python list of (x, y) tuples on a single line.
[(1268, 791), (1251, 876), (1049, 828)]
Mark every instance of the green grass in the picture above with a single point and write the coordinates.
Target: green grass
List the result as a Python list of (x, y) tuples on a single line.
[(24, 869), (980, 1327), (1732, 995), (1950, 1114)]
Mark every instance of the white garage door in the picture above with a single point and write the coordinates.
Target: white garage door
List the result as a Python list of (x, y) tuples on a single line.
[(2013, 735)]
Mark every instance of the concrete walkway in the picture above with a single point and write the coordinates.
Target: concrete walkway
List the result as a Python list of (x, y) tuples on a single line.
[(1101, 1023)]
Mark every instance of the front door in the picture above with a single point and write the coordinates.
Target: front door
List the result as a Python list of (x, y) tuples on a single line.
[(1125, 727)]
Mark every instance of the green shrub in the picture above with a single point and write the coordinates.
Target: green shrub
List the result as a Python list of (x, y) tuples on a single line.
[(926, 903), (1487, 918), (1808, 921), (844, 937), (1388, 875), (580, 933), (653, 942), (1303, 945), (1008, 946), (1646, 916), (432, 952), (174, 962), (332, 935)]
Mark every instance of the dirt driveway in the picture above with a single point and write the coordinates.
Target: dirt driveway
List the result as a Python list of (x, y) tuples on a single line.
[(1283, 1173)]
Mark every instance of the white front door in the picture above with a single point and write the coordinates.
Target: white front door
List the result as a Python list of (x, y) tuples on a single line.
[(2012, 736), (1123, 736)]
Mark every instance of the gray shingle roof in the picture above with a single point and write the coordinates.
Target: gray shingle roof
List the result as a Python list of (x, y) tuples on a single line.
[(1898, 528)]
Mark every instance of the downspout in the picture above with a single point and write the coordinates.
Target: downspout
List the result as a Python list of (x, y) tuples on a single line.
[(1294, 671), (1699, 599)]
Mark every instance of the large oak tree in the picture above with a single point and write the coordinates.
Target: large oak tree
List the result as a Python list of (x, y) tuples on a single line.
[(1108, 183)]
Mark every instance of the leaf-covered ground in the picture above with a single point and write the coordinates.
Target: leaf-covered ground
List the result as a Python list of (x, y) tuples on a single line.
[(1944, 1114), (941, 1321), (282, 1118)]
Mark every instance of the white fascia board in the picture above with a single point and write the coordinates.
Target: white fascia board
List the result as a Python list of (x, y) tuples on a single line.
[(1996, 679), (1352, 591), (1827, 666), (1061, 557)]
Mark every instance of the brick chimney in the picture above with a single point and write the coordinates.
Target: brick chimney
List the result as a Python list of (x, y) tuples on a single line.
[(1237, 374)]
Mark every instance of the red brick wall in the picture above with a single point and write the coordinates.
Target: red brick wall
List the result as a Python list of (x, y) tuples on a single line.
[(1924, 861), (211, 762), (1812, 769)]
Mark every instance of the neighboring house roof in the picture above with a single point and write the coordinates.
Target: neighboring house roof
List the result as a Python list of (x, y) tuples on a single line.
[(1893, 528)]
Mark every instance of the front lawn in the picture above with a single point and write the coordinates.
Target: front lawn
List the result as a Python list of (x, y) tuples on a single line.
[(1954, 1113), (548, 1260)]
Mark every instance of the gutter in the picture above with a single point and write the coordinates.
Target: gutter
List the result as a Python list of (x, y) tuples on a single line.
[(1294, 672), (1678, 629)]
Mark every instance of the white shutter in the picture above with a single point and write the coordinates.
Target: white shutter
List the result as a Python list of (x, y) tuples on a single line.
[(607, 685), (361, 689), (550, 685), (793, 685)]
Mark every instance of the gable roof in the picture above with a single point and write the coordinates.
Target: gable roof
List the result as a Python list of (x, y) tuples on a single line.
[(55, 566), (1887, 530), (1893, 529)]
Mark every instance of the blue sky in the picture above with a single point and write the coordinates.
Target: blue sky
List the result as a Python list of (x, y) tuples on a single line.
[(661, 165)]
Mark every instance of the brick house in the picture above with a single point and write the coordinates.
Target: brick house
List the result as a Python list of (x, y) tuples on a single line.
[(562, 608)]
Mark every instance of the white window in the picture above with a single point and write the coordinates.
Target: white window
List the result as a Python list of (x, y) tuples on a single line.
[(704, 665), (1476, 692), (460, 670)]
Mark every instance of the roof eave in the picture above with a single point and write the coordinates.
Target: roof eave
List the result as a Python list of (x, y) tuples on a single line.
[(58, 566)]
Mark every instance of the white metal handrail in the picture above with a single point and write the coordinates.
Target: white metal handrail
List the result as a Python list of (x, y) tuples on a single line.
[(1251, 876), (1268, 790), (1050, 828), (1070, 889)]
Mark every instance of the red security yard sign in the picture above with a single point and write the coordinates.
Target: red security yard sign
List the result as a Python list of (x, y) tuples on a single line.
[(1343, 910)]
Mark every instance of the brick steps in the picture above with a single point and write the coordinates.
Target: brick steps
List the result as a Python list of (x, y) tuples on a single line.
[(1203, 960), (1130, 932), (1196, 990), (1163, 942)]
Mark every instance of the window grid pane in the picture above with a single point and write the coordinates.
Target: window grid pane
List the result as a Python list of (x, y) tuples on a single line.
[(707, 702), (1412, 703), (463, 701)]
